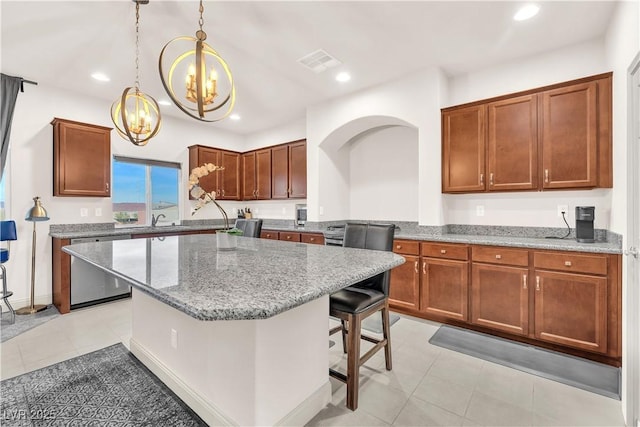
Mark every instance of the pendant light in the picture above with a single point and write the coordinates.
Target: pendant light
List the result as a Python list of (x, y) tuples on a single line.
[(198, 80), (135, 114)]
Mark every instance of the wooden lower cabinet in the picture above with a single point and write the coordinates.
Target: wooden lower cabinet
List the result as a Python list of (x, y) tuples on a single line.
[(560, 300), (500, 298), (404, 287), (312, 238), (445, 288), (268, 234), (571, 309)]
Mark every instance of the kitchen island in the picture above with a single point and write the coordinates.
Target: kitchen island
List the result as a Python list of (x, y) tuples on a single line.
[(241, 336)]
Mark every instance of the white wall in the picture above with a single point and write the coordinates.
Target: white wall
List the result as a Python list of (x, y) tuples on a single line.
[(31, 158), (530, 208), (383, 174)]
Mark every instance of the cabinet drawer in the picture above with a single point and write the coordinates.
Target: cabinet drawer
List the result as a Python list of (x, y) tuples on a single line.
[(444, 250), (289, 237), (273, 235), (407, 247), (495, 255), (313, 238), (570, 262)]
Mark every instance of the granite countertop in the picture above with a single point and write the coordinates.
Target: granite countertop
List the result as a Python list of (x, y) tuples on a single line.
[(518, 237), (258, 280)]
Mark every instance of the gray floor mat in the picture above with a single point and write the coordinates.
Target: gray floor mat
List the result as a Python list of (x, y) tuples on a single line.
[(585, 374)]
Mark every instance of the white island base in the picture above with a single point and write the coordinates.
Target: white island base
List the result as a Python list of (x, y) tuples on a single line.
[(238, 372)]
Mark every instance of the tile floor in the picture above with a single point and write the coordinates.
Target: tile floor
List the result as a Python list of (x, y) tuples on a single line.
[(429, 386)]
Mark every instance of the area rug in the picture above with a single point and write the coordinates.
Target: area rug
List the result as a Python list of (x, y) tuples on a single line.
[(108, 387), (585, 374), (25, 322)]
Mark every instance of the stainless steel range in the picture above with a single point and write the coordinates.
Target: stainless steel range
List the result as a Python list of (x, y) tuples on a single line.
[(334, 235)]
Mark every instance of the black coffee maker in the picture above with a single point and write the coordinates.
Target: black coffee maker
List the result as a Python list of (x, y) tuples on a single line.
[(585, 215)]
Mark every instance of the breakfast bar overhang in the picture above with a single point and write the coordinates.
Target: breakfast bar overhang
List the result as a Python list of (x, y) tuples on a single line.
[(241, 336)]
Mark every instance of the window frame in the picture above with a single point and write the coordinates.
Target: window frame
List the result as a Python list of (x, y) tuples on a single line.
[(148, 163)]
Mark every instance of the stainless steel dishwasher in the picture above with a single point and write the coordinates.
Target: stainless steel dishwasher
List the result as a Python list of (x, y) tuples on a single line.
[(89, 284)]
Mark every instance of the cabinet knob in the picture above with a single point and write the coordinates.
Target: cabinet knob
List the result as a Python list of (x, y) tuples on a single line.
[(498, 256), (524, 281), (107, 185), (398, 246), (415, 266), (491, 178), (443, 251), (546, 176), (481, 178), (288, 237), (311, 239), (567, 263), (537, 283), (424, 267)]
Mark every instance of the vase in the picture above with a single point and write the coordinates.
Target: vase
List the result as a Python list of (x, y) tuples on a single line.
[(226, 241)]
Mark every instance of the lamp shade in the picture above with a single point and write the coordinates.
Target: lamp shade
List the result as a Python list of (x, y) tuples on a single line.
[(37, 212)]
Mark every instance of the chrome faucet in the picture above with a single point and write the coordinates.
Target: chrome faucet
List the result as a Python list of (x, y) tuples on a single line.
[(154, 219)]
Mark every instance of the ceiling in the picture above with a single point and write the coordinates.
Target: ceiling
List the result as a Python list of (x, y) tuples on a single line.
[(60, 43)]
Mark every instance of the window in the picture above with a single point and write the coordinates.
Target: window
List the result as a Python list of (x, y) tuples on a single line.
[(142, 188)]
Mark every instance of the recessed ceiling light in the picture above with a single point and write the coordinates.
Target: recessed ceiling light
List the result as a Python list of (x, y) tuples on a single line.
[(101, 77), (164, 102), (343, 77), (525, 12), (234, 117)]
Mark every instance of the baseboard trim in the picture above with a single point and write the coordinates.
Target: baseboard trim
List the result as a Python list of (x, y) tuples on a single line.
[(208, 412), (308, 409)]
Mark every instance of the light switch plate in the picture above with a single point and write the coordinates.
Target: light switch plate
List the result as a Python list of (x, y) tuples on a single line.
[(84, 212), (480, 210), (98, 211)]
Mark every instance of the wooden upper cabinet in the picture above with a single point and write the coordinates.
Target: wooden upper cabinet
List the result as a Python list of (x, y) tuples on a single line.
[(554, 137), (256, 170), (289, 170), (229, 177), (280, 172), (513, 144), (570, 136), (226, 183), (81, 159), (463, 149)]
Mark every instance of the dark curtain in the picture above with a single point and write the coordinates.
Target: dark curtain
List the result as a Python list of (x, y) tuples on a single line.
[(9, 95)]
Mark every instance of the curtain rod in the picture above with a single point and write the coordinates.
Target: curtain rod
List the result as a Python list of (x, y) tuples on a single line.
[(23, 81)]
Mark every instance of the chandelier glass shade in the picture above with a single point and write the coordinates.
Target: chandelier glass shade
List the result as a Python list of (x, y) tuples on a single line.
[(196, 77), (135, 114)]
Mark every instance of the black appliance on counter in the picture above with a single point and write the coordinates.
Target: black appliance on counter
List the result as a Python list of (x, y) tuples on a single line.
[(585, 215)]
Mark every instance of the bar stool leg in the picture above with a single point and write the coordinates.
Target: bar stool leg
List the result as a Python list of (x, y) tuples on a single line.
[(353, 362), (344, 335), (6, 295), (386, 333)]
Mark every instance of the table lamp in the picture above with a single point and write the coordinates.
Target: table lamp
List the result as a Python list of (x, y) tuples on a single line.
[(35, 214)]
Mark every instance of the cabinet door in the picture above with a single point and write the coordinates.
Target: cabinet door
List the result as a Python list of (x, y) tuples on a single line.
[(445, 288), (82, 159), (263, 174), (198, 156), (404, 284), (229, 177), (571, 309), (312, 238), (463, 149), (569, 136), (280, 172), (272, 235), (289, 236), (499, 298), (298, 170), (513, 144), (249, 176)]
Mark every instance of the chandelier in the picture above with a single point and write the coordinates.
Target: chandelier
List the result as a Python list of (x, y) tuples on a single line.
[(205, 91), (135, 114)]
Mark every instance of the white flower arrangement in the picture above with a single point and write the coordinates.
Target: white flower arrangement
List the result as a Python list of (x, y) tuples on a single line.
[(197, 192)]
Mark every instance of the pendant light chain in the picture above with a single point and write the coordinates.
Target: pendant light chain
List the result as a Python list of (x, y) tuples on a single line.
[(137, 47), (201, 20)]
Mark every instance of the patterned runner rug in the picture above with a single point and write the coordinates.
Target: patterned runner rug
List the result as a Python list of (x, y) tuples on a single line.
[(108, 387)]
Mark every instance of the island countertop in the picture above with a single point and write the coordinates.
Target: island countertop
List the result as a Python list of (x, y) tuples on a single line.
[(258, 280)]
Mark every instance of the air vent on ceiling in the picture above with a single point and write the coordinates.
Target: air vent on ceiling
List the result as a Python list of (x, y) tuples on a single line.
[(319, 61)]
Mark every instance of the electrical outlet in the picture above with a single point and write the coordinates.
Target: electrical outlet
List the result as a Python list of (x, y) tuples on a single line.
[(479, 210), (174, 339), (321, 210), (563, 208), (284, 211), (98, 211), (84, 212)]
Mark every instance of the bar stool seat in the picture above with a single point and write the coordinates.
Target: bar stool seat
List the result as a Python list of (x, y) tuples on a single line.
[(357, 302)]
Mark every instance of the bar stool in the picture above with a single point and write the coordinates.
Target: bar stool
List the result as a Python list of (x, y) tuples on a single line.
[(357, 302), (7, 233), (250, 227)]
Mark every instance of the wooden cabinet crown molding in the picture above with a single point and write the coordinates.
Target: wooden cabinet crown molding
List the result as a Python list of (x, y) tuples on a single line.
[(549, 138)]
